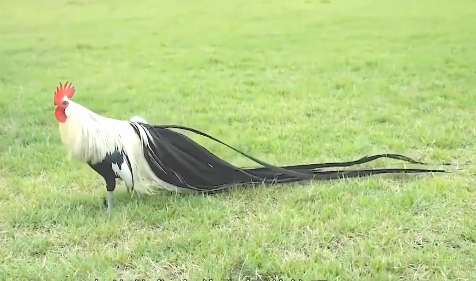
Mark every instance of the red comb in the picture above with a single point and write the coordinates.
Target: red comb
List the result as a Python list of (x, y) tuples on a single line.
[(65, 90)]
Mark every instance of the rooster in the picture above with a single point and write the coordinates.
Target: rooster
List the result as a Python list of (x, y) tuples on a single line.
[(149, 158)]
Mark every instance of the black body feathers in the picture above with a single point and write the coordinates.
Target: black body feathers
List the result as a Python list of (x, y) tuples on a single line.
[(178, 160)]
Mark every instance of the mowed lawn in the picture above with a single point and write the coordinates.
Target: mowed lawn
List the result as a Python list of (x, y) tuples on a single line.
[(286, 81)]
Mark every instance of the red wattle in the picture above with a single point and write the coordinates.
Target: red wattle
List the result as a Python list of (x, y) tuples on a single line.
[(60, 114)]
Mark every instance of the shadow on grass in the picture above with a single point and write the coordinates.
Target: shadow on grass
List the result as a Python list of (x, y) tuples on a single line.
[(79, 209)]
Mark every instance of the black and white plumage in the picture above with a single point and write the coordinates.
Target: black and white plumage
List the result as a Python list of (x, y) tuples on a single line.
[(116, 165), (181, 162), (150, 157)]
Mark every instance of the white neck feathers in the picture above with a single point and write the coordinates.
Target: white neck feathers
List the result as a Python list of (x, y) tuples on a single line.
[(88, 136)]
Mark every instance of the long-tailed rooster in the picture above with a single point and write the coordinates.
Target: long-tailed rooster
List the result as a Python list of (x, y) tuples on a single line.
[(149, 157)]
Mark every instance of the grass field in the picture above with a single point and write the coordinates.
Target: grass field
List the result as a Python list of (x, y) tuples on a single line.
[(286, 81)]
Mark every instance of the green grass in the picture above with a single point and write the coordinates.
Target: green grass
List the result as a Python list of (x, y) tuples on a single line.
[(286, 81)]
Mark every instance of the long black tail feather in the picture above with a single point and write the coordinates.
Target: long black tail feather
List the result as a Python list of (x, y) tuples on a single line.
[(178, 160)]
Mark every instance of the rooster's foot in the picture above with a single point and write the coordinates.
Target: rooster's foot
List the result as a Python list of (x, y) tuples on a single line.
[(108, 201)]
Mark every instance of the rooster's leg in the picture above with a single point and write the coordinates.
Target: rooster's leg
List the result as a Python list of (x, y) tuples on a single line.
[(106, 171), (129, 189), (110, 201), (110, 186)]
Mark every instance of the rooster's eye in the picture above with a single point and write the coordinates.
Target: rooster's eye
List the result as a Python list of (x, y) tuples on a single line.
[(65, 103)]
